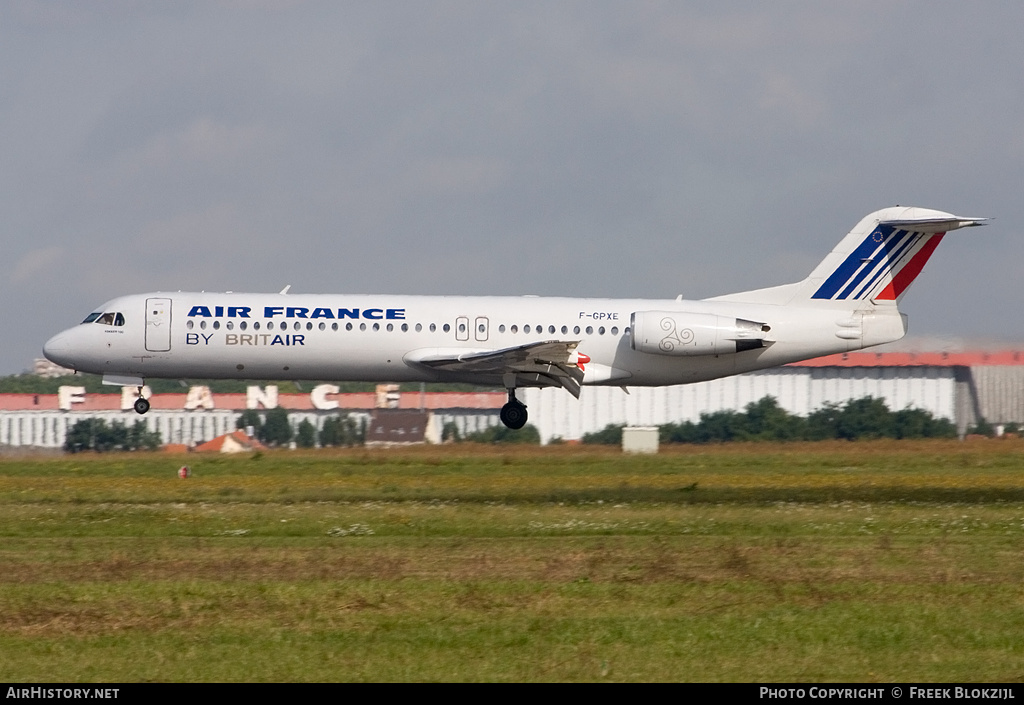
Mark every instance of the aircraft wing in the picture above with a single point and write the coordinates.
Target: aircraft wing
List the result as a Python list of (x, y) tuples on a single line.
[(555, 360)]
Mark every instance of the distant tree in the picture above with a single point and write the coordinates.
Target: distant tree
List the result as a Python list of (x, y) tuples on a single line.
[(918, 423), (330, 432), (340, 430), (865, 418), (502, 434), (450, 433), (141, 438), (765, 420), (306, 436), (82, 436), (721, 426), (684, 432), (982, 428), (276, 430), (250, 417), (610, 435), (94, 434), (823, 424)]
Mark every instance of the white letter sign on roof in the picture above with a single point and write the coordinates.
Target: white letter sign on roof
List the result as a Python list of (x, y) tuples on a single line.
[(66, 396)]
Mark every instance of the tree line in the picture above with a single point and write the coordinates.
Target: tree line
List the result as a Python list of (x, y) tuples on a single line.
[(275, 431), (765, 420), (337, 431), (97, 435)]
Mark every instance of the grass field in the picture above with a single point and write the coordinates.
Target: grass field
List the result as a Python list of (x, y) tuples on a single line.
[(881, 561)]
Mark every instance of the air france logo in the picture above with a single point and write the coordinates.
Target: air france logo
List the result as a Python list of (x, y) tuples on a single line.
[(303, 312)]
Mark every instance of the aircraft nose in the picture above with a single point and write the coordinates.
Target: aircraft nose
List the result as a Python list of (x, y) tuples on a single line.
[(58, 349)]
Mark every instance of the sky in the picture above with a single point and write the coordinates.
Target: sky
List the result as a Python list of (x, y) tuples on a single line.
[(611, 149)]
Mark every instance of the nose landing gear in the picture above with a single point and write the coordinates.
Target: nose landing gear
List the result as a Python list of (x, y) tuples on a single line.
[(141, 404)]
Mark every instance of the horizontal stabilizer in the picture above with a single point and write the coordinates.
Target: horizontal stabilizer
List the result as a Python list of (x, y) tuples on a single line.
[(935, 225)]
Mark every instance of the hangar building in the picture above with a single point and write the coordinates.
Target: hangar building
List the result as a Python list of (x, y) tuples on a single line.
[(963, 387)]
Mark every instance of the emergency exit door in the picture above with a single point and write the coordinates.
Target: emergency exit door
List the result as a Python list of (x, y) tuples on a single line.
[(158, 325), (480, 328)]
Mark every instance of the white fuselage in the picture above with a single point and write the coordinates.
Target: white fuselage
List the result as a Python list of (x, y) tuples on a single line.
[(380, 338), (848, 302)]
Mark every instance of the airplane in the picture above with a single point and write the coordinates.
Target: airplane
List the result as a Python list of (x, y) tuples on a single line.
[(848, 302)]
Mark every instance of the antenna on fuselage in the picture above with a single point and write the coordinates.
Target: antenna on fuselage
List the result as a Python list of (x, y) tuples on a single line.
[(285, 290)]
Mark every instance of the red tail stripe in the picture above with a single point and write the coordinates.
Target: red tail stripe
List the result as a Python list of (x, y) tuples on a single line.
[(906, 276)]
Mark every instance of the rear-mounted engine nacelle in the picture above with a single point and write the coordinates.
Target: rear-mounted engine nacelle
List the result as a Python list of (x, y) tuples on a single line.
[(686, 334)]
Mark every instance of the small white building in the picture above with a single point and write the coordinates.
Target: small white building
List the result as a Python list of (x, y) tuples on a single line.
[(640, 439)]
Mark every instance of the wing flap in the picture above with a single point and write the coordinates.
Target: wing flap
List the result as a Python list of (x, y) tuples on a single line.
[(551, 360)]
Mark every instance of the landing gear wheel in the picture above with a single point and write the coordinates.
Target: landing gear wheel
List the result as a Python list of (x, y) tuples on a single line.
[(513, 414), (141, 405)]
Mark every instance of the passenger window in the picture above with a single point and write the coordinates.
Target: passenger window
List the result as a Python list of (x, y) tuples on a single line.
[(362, 326), (270, 325), (551, 329), (323, 326), (501, 328), (514, 329), (405, 327), (189, 324), (391, 327), (243, 325), (419, 327), (446, 328), (615, 330), (600, 331), (433, 327), (590, 330), (526, 329), (216, 325), (229, 325), (576, 330), (565, 329), (255, 325)]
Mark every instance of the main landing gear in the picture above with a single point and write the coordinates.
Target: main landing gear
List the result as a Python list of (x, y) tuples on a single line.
[(141, 404), (513, 414)]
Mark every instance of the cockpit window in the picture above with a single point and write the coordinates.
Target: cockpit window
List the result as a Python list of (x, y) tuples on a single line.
[(110, 318)]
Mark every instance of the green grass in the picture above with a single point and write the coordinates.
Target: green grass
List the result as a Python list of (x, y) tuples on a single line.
[(881, 561)]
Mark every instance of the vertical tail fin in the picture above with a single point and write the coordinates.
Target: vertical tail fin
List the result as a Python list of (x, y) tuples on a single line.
[(880, 258), (877, 261)]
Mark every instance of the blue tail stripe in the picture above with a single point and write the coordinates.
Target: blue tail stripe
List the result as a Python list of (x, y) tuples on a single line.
[(851, 264), (892, 262), (866, 269), (883, 258)]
